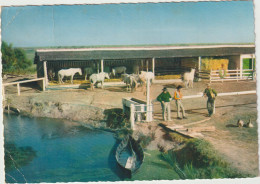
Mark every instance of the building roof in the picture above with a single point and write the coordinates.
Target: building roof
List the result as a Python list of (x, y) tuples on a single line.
[(81, 54)]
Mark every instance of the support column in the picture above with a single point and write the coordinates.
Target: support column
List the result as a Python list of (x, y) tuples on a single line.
[(147, 62), (241, 67), (153, 66), (149, 115), (45, 73), (199, 64), (102, 65)]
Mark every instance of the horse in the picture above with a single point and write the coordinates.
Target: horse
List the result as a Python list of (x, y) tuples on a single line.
[(143, 77), (96, 78), (136, 69), (88, 71), (51, 74), (188, 78), (130, 81), (118, 70), (68, 72)]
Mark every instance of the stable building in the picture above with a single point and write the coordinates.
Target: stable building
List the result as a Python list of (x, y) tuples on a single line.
[(161, 60)]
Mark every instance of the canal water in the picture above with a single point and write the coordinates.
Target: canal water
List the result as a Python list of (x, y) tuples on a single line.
[(64, 151), (50, 150)]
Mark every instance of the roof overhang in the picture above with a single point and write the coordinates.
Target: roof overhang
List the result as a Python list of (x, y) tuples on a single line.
[(111, 53)]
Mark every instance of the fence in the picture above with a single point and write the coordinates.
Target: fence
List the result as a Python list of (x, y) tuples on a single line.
[(225, 75), (228, 75), (43, 84)]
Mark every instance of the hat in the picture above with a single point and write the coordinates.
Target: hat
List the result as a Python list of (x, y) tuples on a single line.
[(208, 84), (164, 89), (179, 87)]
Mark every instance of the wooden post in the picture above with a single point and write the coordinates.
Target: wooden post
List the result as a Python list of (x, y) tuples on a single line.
[(98, 68), (147, 65), (153, 66), (18, 89), (149, 117), (237, 74), (199, 63), (241, 67), (132, 116), (45, 73), (102, 65), (43, 84)]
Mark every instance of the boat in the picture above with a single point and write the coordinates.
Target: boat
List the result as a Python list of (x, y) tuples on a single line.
[(129, 154)]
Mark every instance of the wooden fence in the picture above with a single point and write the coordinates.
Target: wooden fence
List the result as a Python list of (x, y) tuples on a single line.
[(42, 85), (229, 75)]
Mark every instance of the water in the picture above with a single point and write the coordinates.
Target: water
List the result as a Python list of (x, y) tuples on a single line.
[(64, 151)]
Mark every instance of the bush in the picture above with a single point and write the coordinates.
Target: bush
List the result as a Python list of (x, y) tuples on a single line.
[(14, 60), (116, 119)]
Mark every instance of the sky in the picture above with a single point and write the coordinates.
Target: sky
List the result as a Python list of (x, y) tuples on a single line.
[(129, 24)]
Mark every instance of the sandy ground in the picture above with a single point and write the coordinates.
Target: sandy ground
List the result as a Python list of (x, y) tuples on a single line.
[(237, 146)]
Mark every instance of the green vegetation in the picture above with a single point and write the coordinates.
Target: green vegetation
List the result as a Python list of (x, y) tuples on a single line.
[(14, 60), (198, 159), (17, 157), (116, 119), (155, 168)]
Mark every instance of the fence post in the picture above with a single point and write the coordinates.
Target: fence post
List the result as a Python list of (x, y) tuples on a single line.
[(132, 116), (18, 89), (237, 74), (43, 84)]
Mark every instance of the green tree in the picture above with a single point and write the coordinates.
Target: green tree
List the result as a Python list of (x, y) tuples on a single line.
[(14, 59)]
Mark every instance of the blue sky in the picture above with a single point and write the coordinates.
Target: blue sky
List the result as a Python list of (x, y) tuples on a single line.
[(129, 24)]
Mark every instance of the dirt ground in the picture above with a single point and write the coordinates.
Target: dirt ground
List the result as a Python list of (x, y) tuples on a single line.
[(238, 146)]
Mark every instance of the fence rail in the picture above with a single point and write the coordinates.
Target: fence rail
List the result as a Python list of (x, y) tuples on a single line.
[(43, 85), (227, 75)]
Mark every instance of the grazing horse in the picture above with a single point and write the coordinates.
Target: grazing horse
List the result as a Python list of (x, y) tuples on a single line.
[(130, 81), (118, 70), (96, 78), (68, 72), (188, 78), (88, 71)]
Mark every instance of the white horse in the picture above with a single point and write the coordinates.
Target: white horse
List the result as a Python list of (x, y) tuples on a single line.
[(68, 72), (188, 78), (96, 78), (147, 76), (143, 77), (88, 71), (130, 81), (118, 70)]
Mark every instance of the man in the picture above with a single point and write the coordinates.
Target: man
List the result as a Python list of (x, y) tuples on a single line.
[(178, 97), (165, 99), (211, 94)]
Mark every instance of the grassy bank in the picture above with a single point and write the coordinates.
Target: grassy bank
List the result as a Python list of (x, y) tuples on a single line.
[(199, 160)]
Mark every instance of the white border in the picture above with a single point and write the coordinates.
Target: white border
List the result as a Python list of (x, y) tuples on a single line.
[(70, 2)]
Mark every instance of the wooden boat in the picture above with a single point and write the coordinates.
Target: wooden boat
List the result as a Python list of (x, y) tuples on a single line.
[(129, 154)]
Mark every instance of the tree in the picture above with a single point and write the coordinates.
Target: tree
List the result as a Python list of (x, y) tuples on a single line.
[(14, 59)]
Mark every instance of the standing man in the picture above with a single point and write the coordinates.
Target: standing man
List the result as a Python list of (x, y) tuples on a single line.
[(211, 94), (178, 97), (165, 99)]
